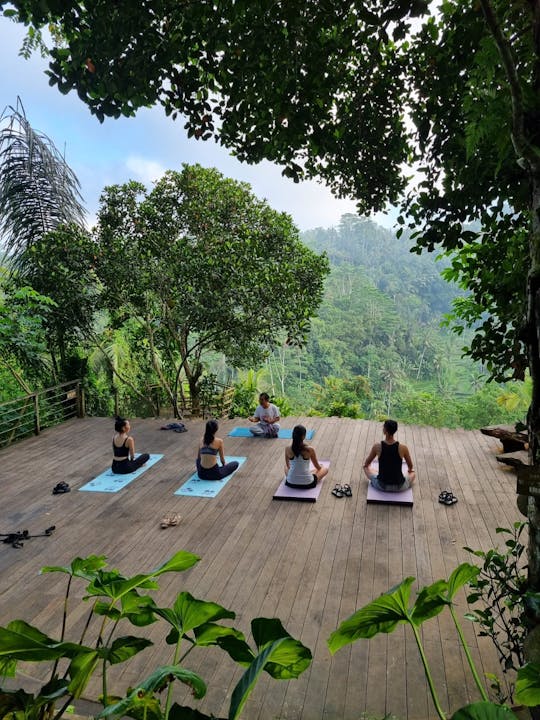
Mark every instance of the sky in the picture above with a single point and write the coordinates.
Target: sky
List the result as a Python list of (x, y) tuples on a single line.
[(144, 147)]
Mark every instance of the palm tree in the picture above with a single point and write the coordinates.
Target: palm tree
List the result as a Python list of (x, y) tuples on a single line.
[(38, 190)]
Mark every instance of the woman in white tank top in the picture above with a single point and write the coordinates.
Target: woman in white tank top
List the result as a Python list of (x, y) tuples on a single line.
[(301, 462)]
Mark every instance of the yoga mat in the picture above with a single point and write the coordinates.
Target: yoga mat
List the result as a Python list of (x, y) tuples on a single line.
[(195, 487), (112, 482), (284, 492), (284, 433), (405, 497)]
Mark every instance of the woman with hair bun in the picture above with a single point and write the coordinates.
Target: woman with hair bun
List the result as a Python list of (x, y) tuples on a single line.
[(207, 457), (124, 460), (298, 459)]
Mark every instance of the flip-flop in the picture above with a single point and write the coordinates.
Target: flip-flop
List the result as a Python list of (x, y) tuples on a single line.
[(338, 491), (346, 490), (61, 487), (447, 498)]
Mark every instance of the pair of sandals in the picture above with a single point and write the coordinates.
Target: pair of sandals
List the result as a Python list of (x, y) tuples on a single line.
[(61, 487), (447, 498), (170, 520), (342, 491)]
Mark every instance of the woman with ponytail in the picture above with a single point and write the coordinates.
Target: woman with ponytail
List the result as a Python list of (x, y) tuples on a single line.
[(124, 460), (298, 459), (207, 458)]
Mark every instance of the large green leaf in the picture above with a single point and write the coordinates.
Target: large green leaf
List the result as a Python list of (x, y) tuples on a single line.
[(380, 615), (188, 613), (21, 641), (430, 602), (81, 670), (484, 711), (282, 658), (115, 586), (247, 682), (462, 575), (527, 689), (123, 648), (155, 682), (85, 568)]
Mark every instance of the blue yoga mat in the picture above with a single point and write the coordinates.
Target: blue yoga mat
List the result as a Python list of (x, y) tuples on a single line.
[(195, 487), (112, 482), (284, 433)]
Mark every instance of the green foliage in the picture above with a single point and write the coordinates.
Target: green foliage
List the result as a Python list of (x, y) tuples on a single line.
[(23, 314), (506, 604), (201, 264), (341, 398), (393, 608), (115, 600), (450, 89)]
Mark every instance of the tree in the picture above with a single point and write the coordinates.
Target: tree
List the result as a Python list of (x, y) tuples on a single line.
[(60, 265), (352, 92), (22, 319), (201, 264), (38, 190)]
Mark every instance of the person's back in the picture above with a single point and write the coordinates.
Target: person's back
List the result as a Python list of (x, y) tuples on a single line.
[(391, 456), (299, 470), (390, 464)]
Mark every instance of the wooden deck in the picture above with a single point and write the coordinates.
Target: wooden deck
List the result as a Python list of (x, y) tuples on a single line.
[(311, 565)]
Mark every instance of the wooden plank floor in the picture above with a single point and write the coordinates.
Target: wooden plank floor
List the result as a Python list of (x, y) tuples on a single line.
[(311, 565)]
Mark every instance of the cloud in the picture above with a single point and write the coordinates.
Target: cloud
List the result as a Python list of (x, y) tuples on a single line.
[(144, 170)]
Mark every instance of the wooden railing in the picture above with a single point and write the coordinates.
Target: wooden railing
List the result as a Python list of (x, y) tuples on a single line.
[(30, 414)]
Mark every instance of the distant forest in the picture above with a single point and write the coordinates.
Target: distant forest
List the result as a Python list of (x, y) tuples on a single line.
[(377, 347)]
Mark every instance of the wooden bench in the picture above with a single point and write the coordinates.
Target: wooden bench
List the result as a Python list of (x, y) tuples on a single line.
[(511, 439)]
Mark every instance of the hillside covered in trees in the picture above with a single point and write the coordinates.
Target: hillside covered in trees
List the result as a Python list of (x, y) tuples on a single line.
[(382, 342)]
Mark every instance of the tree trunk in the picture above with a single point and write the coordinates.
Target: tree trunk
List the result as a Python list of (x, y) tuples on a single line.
[(533, 340)]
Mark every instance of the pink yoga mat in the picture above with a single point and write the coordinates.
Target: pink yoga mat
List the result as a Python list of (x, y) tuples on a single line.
[(284, 492)]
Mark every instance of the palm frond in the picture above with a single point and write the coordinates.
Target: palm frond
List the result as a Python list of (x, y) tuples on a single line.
[(38, 190)]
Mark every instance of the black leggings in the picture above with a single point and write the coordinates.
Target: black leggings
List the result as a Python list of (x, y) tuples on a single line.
[(218, 472), (303, 487), (123, 467)]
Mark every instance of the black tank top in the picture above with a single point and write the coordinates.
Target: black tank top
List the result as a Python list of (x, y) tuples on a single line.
[(390, 464), (122, 451)]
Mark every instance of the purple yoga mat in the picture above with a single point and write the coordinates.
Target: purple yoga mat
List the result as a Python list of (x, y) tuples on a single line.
[(284, 492), (405, 497)]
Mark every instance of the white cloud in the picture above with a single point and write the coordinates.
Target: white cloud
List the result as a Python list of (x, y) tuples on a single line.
[(144, 170)]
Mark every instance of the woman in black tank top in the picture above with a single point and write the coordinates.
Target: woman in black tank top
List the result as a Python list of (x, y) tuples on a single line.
[(124, 460)]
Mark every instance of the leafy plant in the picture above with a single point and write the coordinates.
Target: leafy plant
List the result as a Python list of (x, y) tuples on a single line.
[(117, 599), (392, 608), (506, 603)]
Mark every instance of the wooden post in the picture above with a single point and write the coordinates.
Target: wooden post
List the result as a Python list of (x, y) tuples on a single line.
[(36, 413)]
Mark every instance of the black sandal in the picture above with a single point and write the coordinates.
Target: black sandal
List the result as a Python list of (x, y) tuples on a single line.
[(61, 487), (447, 498), (338, 491), (346, 490)]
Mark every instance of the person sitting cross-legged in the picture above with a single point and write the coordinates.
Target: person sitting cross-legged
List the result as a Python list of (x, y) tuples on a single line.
[(266, 416), (391, 454), (207, 458), (299, 457)]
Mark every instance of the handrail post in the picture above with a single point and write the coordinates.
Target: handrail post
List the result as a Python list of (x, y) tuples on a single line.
[(36, 413)]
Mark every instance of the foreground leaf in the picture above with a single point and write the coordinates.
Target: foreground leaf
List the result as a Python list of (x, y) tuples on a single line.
[(484, 711), (379, 616), (527, 690)]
